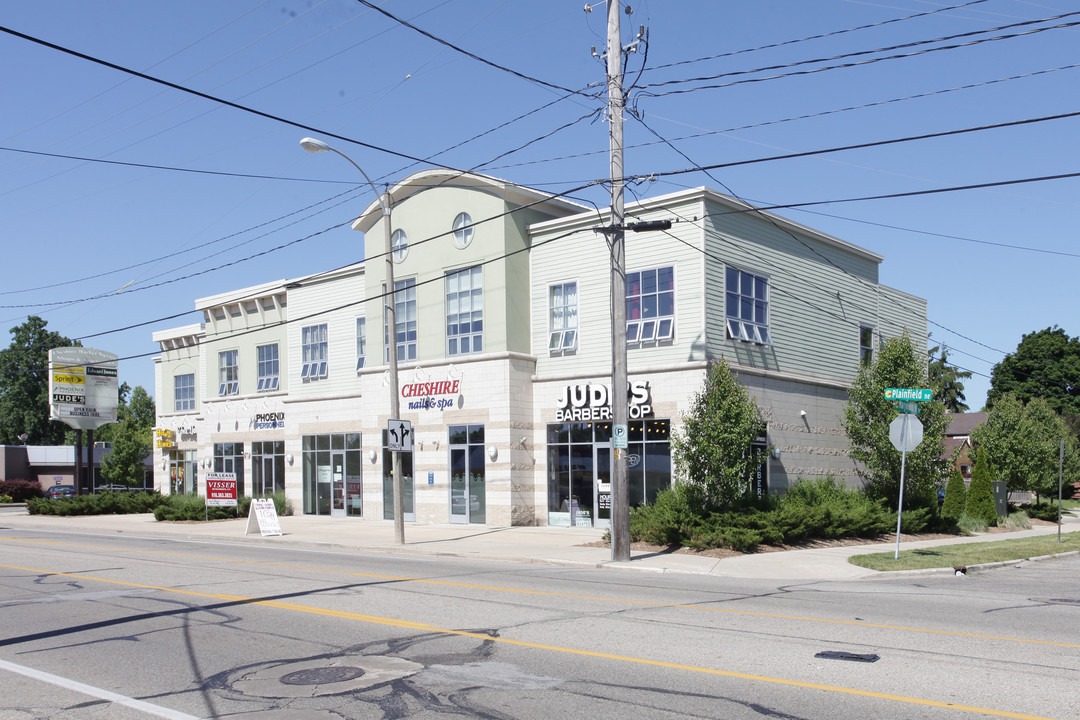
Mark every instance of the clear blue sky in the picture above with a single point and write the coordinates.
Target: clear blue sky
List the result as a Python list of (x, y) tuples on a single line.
[(94, 247)]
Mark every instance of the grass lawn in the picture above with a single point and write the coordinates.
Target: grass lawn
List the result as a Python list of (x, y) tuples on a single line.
[(977, 553)]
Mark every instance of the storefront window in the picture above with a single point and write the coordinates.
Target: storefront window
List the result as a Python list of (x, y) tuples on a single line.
[(388, 481), (267, 468), (333, 483), (183, 477), (229, 458), (579, 468), (468, 496)]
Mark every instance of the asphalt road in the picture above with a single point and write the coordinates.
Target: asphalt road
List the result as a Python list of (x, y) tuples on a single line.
[(101, 626)]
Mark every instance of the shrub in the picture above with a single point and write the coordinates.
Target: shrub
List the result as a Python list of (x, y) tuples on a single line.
[(955, 496), (20, 490), (106, 503), (1042, 511), (6, 499), (669, 520), (193, 507), (980, 499), (1016, 521), (971, 524)]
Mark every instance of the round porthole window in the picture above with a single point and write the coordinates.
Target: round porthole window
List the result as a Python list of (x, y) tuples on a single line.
[(399, 244), (463, 230)]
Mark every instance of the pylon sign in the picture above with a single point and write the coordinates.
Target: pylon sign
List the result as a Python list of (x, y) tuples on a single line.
[(83, 388)]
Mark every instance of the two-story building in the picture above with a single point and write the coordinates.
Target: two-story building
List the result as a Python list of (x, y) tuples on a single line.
[(503, 339)]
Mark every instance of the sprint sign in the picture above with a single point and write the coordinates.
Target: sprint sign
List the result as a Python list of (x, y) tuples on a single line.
[(221, 489)]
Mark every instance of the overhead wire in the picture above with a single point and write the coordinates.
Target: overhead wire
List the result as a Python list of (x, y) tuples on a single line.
[(647, 93)]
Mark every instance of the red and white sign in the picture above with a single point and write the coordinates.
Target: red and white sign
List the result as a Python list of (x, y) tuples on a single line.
[(221, 489)]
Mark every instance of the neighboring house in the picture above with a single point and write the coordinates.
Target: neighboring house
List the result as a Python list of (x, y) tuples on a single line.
[(958, 441), (50, 465), (503, 339)]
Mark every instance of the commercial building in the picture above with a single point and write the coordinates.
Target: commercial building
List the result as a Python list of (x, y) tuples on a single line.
[(503, 341)]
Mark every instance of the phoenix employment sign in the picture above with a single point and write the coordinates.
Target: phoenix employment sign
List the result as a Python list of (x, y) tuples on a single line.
[(83, 390)]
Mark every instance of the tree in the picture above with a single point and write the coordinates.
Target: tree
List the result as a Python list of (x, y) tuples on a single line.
[(944, 380), (24, 385), (1046, 365), (955, 496), (712, 450), (130, 446), (866, 421), (980, 499), (1022, 443)]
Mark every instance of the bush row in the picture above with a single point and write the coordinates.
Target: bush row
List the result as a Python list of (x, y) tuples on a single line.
[(20, 490), (103, 503), (164, 507), (821, 508)]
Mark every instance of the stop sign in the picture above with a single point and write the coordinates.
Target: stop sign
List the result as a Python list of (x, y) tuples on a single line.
[(911, 437)]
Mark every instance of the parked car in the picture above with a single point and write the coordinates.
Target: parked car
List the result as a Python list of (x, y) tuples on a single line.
[(60, 491)]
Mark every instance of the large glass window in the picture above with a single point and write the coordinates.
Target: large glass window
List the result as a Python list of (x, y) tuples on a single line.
[(268, 367), (314, 352), (183, 472), (267, 468), (184, 392), (562, 317), (388, 481), (229, 458), (650, 305), (228, 372), (747, 307), (332, 467), (464, 312), (405, 318)]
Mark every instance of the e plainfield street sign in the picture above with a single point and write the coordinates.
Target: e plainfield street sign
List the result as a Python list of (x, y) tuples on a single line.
[(909, 394)]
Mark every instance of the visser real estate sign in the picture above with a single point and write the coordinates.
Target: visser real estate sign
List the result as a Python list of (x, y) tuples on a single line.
[(83, 388)]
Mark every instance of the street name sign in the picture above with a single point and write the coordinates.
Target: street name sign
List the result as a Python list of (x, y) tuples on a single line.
[(910, 394)]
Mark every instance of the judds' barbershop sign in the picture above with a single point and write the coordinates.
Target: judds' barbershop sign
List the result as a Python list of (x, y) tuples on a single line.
[(583, 403)]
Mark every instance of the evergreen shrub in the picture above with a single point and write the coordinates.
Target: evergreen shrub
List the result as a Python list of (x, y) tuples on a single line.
[(955, 496), (980, 499)]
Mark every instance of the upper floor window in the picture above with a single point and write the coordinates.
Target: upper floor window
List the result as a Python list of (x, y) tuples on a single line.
[(650, 305), (361, 341), (268, 367), (184, 392), (313, 341), (228, 372), (463, 230), (866, 344), (399, 245), (747, 307), (405, 318), (464, 312), (562, 317)]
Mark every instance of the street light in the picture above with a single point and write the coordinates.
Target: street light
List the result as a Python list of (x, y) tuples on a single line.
[(313, 145)]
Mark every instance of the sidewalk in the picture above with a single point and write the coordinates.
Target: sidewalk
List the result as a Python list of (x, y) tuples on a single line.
[(552, 545)]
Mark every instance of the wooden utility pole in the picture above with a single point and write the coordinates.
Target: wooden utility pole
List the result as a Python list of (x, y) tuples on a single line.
[(620, 490)]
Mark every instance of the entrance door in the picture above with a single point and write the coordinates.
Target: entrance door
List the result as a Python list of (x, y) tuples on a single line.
[(337, 484), (582, 485), (468, 496)]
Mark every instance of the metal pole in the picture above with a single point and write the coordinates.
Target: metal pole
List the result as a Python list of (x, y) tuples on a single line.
[(395, 406), (620, 491), (1061, 465), (900, 502)]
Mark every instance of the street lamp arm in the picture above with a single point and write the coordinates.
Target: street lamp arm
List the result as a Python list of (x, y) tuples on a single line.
[(313, 145)]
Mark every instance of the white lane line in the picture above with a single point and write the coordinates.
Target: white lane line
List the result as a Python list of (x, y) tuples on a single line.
[(92, 691)]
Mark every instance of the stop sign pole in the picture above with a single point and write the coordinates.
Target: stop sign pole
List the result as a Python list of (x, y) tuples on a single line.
[(905, 432)]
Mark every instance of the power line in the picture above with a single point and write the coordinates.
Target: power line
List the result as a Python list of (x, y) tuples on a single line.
[(846, 65), (474, 56), (814, 37), (170, 168)]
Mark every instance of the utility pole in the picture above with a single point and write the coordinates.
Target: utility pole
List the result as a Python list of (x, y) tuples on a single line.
[(395, 389), (620, 489)]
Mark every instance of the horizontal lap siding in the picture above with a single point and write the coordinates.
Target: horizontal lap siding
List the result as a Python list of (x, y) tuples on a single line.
[(318, 297), (584, 258), (819, 294)]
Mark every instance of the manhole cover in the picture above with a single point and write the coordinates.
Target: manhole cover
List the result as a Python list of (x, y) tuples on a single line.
[(322, 676)]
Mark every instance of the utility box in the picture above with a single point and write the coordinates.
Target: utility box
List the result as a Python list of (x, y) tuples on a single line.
[(1001, 498)]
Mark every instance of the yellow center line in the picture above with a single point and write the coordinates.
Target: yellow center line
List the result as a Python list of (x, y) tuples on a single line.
[(392, 622), (548, 593)]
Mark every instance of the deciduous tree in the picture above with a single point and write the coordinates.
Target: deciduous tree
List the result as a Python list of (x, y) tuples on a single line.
[(24, 385), (1046, 365), (866, 421), (712, 450)]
